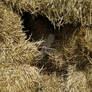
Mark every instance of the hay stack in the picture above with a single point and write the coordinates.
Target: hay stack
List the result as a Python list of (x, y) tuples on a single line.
[(53, 83), (76, 81), (15, 50), (13, 47), (19, 78), (57, 11), (88, 73)]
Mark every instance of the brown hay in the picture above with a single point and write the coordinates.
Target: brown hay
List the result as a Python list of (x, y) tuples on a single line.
[(72, 59), (85, 36), (71, 48), (13, 47), (76, 81), (88, 73), (19, 78), (77, 49), (57, 11), (53, 83)]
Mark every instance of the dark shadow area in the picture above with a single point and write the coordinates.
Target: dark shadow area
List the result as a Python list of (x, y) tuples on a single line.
[(39, 28), (36, 27), (48, 66)]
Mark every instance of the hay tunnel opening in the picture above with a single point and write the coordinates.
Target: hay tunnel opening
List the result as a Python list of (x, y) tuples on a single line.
[(36, 27), (39, 26)]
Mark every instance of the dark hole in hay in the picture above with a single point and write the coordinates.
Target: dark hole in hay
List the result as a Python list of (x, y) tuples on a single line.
[(39, 27), (36, 27)]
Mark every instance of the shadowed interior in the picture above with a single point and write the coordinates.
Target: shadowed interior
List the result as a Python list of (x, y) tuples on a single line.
[(39, 28)]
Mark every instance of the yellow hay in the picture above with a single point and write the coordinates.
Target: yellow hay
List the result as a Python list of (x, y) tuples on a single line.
[(17, 78), (17, 55), (89, 75), (76, 81), (58, 11), (13, 47)]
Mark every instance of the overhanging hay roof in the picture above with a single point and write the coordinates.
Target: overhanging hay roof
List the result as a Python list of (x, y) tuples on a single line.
[(23, 78), (58, 11)]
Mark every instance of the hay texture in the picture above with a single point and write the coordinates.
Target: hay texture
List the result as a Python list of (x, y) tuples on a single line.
[(19, 78), (53, 83), (13, 47), (76, 81), (57, 11), (72, 60), (89, 75)]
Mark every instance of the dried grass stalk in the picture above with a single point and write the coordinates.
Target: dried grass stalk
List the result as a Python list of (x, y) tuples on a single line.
[(13, 47), (19, 78), (76, 81), (88, 72), (57, 11)]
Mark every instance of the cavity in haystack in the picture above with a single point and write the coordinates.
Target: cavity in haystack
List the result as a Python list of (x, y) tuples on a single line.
[(36, 27)]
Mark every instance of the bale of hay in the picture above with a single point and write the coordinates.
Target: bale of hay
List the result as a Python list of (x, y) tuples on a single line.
[(13, 47), (76, 81), (77, 49), (53, 83), (19, 78), (88, 73), (57, 11)]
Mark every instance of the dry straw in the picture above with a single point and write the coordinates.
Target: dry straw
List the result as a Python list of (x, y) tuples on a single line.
[(19, 78), (89, 75), (76, 81), (13, 47), (16, 75), (57, 11)]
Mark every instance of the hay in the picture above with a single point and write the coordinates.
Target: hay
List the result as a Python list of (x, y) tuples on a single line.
[(57, 11), (77, 47), (53, 83), (13, 47), (71, 58), (70, 48), (88, 73), (19, 78), (76, 81), (85, 37)]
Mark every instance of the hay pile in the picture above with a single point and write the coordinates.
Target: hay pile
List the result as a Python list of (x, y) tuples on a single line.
[(13, 47), (77, 82), (53, 83), (68, 70), (89, 75), (19, 78), (57, 11)]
